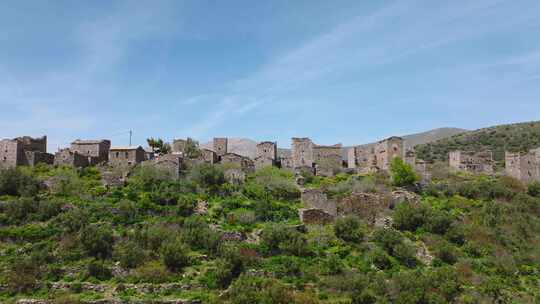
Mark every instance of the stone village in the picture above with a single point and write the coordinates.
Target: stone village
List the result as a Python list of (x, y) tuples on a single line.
[(304, 155)]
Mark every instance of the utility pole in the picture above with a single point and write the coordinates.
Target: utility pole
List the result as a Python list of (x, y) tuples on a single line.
[(130, 134)]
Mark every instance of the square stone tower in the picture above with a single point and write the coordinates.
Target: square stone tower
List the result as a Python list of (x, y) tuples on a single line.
[(220, 146), (387, 149), (302, 152), (267, 149)]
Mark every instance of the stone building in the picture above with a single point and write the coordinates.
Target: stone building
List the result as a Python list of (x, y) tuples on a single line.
[(286, 162), (24, 151), (126, 156), (523, 166), (302, 152), (315, 198), (220, 146), (239, 161), (172, 163), (97, 151), (66, 157), (263, 161), (410, 158), (386, 150), (470, 161), (208, 156), (267, 149), (328, 160)]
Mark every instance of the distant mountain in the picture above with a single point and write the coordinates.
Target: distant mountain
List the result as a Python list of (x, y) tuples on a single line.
[(511, 137), (248, 147)]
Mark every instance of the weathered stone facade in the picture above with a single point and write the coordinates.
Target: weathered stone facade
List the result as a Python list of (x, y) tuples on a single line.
[(263, 161), (208, 156), (523, 166), (314, 216), (267, 149), (220, 146), (328, 160), (410, 158), (386, 150), (66, 157), (242, 162), (364, 205), (126, 156), (97, 151), (24, 151), (286, 162), (473, 162), (172, 163), (315, 198), (302, 152)]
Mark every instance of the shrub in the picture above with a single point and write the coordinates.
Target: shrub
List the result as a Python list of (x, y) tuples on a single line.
[(15, 182), (199, 235), (402, 173), (388, 239), (446, 253), (175, 255), (129, 254), (98, 270), (251, 289), (97, 240), (67, 182), (207, 176), (350, 229), (380, 259), (405, 253), (409, 217), (278, 238), (534, 189), (364, 297), (151, 272), (278, 183), (146, 178), (23, 275)]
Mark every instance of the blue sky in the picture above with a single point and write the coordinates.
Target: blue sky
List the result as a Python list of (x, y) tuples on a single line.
[(336, 71)]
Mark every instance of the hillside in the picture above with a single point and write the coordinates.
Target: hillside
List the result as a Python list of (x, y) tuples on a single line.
[(65, 238), (511, 137)]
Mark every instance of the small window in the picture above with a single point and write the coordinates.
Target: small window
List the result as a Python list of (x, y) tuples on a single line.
[(117, 154)]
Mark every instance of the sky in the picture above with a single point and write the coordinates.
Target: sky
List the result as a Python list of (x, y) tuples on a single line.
[(336, 71)]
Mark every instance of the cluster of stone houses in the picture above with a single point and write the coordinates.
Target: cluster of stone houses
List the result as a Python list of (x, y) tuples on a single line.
[(304, 155)]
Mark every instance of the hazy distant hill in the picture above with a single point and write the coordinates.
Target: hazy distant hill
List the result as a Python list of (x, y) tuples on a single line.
[(512, 137), (248, 147)]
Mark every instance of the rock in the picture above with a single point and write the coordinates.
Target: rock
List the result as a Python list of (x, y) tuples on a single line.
[(423, 254), (315, 216), (232, 236), (401, 195), (384, 222), (254, 237)]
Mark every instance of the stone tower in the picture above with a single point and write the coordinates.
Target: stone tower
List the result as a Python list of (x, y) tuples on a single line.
[(220, 146), (302, 152), (267, 149), (387, 149)]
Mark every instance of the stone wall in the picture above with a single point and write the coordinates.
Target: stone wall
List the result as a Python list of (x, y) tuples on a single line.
[(235, 176), (33, 158), (470, 161), (208, 156), (126, 156), (523, 166), (367, 206), (11, 153), (33, 144), (386, 150), (172, 163), (67, 157), (97, 151), (179, 146), (239, 161), (315, 198), (313, 216), (263, 161)]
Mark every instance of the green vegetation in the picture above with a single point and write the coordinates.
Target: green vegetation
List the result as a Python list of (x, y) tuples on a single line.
[(515, 137), (470, 239)]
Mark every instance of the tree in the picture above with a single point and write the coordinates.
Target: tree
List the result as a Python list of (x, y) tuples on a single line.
[(192, 148), (402, 173), (175, 255), (97, 240), (349, 229), (158, 145)]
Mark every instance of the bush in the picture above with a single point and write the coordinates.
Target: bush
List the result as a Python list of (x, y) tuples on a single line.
[(409, 217), (175, 255), (17, 183), (278, 238), (23, 275), (98, 270), (129, 254), (278, 183), (97, 240), (151, 272), (199, 235), (251, 289), (207, 176), (147, 178), (402, 173), (380, 259), (350, 229), (534, 189)]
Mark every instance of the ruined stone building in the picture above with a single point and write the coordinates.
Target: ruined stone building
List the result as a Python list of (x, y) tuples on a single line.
[(238, 161), (523, 166), (302, 152), (24, 151), (286, 162), (97, 151), (66, 157), (126, 156), (388, 149), (208, 156), (328, 160), (171, 163), (220, 146), (470, 161), (267, 149), (410, 158)]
